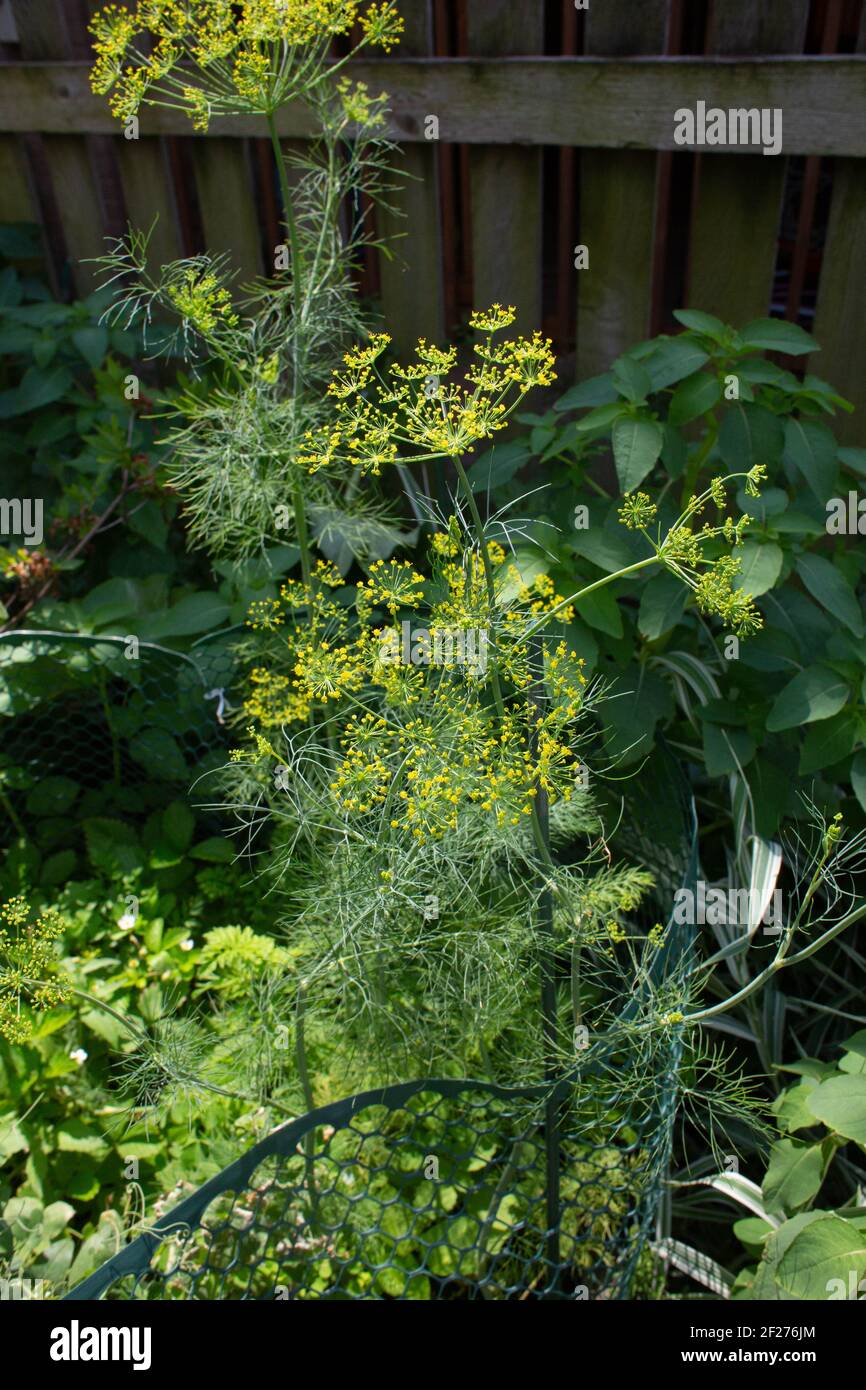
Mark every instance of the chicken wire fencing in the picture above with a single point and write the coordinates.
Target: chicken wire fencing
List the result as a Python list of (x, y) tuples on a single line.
[(445, 1188), (105, 724)]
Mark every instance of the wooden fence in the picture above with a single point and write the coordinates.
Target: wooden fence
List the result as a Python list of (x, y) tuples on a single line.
[(555, 129)]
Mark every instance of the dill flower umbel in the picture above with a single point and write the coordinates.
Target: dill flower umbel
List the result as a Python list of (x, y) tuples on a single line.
[(29, 974), (415, 413), (217, 57)]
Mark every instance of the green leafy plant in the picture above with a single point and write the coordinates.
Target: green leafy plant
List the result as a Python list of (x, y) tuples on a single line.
[(805, 1235), (787, 711)]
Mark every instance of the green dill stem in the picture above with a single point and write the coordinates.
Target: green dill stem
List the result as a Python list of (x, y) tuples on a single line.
[(781, 962), (301, 1050), (589, 588), (11, 812), (488, 569), (693, 471), (294, 244), (298, 500), (300, 507)]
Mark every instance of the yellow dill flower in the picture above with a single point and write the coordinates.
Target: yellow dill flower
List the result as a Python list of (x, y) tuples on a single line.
[(228, 57), (417, 412), (29, 974), (203, 301)]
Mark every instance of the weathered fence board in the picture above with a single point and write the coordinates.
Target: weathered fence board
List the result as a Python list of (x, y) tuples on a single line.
[(469, 219), (411, 280), (506, 183), (593, 103), (226, 196), (841, 308), (732, 276), (617, 209)]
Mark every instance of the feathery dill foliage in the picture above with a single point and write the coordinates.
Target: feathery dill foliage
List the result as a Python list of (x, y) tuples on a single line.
[(404, 780), (268, 348)]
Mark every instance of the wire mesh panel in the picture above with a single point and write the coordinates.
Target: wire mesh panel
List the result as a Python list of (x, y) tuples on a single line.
[(441, 1189), (104, 714), (432, 1190)]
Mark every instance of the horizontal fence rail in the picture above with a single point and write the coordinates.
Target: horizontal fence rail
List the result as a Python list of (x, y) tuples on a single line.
[(595, 103), (555, 129)]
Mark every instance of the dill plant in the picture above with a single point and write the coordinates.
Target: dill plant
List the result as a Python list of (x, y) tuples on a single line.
[(260, 355), (417, 801), (439, 851)]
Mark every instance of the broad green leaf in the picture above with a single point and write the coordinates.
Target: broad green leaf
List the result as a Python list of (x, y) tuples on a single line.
[(760, 567), (214, 850), (636, 447), (596, 390), (777, 335), (673, 359), (631, 379), (699, 322), (825, 1250), (752, 1231), (858, 778), (840, 1103), (76, 1136), (195, 613), (178, 823), (750, 434), (765, 1285), (816, 693), (600, 419), (790, 1108), (661, 605), (52, 797), (726, 750), (92, 343), (855, 459), (811, 449), (630, 718), (794, 1175), (600, 610), (693, 397), (159, 753), (498, 465), (522, 568), (147, 521), (771, 503), (605, 542), (831, 589), (38, 388), (828, 742)]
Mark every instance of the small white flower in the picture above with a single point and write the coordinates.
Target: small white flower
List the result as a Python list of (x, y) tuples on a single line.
[(126, 922), (187, 945), (79, 1056)]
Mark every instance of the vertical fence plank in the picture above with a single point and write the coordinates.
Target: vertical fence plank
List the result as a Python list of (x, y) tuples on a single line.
[(61, 168), (738, 198), (145, 177), (617, 205), (18, 204), (226, 195), (506, 180), (841, 307), (411, 282)]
